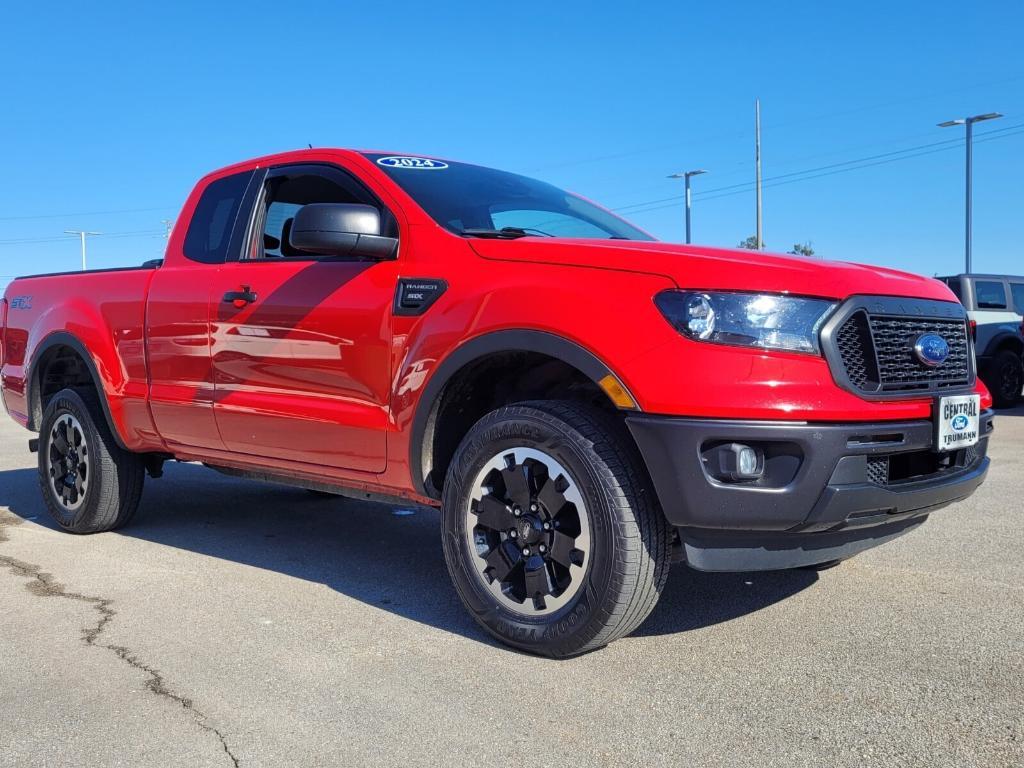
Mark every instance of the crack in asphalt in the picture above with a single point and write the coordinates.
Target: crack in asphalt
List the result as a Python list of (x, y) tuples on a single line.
[(43, 585)]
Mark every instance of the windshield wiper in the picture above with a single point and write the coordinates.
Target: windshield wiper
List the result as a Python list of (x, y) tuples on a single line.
[(505, 233)]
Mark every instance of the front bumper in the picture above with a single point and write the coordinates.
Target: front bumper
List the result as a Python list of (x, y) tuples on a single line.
[(823, 495)]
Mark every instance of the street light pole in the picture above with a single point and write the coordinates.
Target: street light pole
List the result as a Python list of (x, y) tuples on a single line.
[(757, 171), (685, 176), (82, 234), (968, 123)]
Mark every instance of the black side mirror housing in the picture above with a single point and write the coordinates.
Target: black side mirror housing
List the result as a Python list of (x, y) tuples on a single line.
[(341, 229)]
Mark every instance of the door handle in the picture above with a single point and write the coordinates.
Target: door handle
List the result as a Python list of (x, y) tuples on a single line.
[(242, 297)]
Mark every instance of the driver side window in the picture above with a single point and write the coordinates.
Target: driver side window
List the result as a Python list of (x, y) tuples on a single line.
[(287, 189)]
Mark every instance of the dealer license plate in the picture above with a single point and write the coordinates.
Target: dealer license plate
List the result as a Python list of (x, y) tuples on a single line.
[(957, 422)]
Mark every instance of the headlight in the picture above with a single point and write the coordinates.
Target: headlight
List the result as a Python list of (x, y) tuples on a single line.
[(746, 319)]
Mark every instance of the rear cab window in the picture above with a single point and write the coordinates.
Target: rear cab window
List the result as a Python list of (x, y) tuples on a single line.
[(990, 294), (209, 231)]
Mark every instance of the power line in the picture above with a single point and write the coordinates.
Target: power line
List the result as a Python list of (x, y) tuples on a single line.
[(802, 119), (824, 170), (111, 235), (816, 176), (86, 213), (946, 144)]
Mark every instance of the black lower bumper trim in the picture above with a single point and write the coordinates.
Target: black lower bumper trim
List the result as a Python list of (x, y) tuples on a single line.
[(772, 552), (821, 495), (816, 474)]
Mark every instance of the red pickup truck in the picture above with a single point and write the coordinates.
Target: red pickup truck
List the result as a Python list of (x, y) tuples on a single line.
[(584, 404)]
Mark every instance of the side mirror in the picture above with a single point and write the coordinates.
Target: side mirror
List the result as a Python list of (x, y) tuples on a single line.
[(341, 229)]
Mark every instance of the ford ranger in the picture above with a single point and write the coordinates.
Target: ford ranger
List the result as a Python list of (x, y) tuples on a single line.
[(585, 404)]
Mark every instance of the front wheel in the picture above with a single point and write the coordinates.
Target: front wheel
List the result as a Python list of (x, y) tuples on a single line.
[(553, 542), (89, 483)]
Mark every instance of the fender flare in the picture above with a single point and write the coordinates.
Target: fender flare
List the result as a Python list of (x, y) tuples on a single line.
[(422, 428), (1003, 339), (65, 339)]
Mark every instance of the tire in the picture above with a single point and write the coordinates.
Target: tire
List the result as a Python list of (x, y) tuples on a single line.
[(99, 482), (580, 480), (1007, 377)]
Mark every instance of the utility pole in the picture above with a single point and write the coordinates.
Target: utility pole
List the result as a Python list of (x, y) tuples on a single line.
[(968, 123), (757, 172), (82, 234), (685, 176), (168, 226)]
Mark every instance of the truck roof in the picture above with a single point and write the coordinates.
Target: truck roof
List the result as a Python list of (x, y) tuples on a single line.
[(987, 276)]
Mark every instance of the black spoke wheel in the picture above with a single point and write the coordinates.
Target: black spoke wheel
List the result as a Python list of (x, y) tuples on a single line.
[(89, 482), (551, 537), (529, 526), (67, 462)]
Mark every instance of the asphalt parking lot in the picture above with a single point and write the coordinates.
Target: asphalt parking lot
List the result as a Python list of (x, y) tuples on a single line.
[(247, 624)]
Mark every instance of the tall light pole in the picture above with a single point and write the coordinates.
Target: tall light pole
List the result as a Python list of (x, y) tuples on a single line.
[(757, 169), (82, 234), (969, 122), (685, 176)]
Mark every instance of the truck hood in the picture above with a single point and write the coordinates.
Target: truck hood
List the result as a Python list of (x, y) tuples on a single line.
[(701, 267)]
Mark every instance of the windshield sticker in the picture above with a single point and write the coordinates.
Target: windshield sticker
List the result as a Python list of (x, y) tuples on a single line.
[(414, 163)]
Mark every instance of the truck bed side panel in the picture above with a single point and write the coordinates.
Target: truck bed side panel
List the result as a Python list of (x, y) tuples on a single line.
[(105, 313)]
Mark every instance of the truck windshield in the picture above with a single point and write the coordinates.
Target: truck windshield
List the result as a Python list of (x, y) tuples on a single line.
[(474, 201)]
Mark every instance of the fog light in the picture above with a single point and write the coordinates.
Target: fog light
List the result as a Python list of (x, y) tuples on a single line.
[(746, 461), (736, 462)]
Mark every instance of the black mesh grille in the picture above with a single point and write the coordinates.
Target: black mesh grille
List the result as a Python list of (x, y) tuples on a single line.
[(877, 352), (972, 454), (900, 369), (878, 470), (895, 468), (855, 347)]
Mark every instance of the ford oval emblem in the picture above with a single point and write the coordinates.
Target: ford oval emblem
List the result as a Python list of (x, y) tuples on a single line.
[(959, 422), (931, 350)]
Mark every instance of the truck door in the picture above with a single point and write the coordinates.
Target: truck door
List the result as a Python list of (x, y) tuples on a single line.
[(301, 344), (178, 311)]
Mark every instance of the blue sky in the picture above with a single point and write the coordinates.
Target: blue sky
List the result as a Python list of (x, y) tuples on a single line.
[(115, 107)]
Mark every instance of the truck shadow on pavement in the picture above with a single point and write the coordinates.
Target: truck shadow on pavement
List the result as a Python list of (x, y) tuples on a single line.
[(365, 551)]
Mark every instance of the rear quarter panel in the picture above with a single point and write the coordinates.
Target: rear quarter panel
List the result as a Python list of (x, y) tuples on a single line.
[(105, 313), (994, 326)]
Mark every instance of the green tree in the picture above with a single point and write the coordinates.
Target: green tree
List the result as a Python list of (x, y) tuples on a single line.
[(804, 249), (750, 243)]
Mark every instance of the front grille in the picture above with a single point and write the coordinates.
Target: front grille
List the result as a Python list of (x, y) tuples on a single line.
[(877, 354), (896, 468), (878, 470)]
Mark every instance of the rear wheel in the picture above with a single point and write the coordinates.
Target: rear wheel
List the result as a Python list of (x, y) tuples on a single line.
[(1007, 378), (89, 483), (550, 536)]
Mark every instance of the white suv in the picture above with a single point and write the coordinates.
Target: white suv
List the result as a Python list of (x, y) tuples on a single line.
[(995, 304)]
